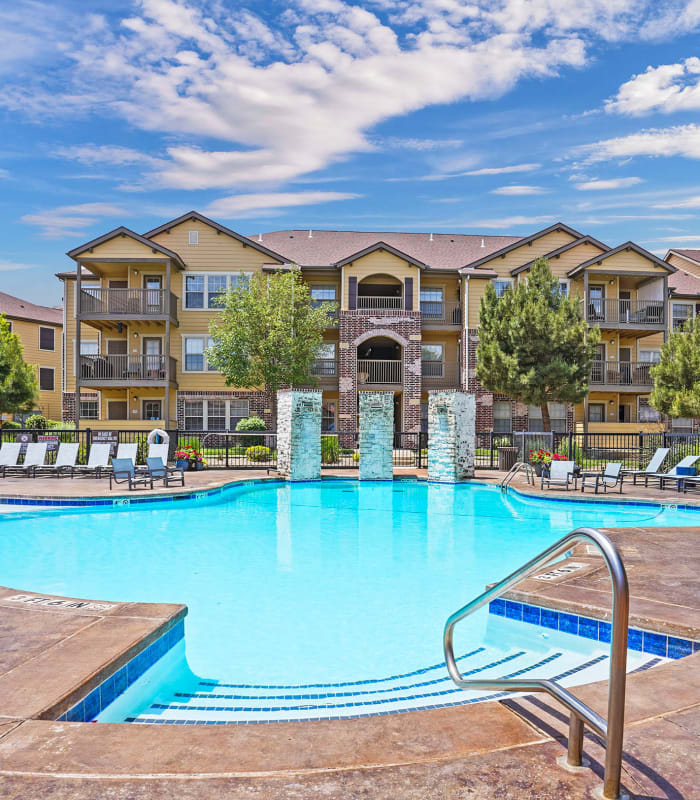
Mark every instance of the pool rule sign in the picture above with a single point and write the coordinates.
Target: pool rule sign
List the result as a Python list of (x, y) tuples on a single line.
[(106, 437)]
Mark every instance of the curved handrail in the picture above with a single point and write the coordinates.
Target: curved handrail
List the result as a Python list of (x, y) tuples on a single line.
[(611, 729), (513, 471)]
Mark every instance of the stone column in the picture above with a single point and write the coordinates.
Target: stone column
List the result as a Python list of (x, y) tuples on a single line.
[(376, 436), (299, 434), (451, 436)]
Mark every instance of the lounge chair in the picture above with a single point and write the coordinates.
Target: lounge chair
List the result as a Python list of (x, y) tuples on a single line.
[(9, 453), (66, 458), (609, 479), (123, 471), (98, 460), (33, 458), (127, 450), (652, 467), (161, 472), (672, 475), (159, 451), (561, 473)]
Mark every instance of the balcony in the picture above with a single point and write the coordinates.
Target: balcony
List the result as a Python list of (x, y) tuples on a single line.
[(325, 370), (127, 304), (331, 307), (645, 315), (379, 303), (619, 376), (439, 375), (125, 370), (379, 372), (441, 314)]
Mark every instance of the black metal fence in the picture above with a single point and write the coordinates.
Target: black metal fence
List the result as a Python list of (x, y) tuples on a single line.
[(342, 450)]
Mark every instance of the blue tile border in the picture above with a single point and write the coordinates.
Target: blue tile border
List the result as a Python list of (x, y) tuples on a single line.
[(658, 644), (117, 683)]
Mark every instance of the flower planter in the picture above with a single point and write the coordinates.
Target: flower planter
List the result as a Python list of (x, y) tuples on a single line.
[(182, 465), (198, 465)]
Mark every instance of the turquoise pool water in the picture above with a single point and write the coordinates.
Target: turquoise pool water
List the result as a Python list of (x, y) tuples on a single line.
[(304, 583)]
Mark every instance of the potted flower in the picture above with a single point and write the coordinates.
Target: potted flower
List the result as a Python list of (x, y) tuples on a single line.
[(541, 459), (188, 457)]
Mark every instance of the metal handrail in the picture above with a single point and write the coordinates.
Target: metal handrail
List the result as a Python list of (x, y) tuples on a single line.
[(519, 466), (612, 729)]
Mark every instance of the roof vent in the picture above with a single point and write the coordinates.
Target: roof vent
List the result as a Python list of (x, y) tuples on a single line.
[(431, 237), (260, 237), (311, 234), (482, 243)]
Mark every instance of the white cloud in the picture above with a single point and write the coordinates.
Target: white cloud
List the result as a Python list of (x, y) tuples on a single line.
[(259, 204), (682, 239), (65, 221), (607, 184), (510, 222), (519, 189), (419, 144), (92, 154), (11, 266), (681, 140), (504, 170), (666, 88), (686, 202)]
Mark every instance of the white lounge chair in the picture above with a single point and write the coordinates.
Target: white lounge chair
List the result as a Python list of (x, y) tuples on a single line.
[(159, 451), (609, 479), (66, 458), (9, 453), (33, 458), (98, 460), (672, 475), (127, 450), (652, 467), (561, 473)]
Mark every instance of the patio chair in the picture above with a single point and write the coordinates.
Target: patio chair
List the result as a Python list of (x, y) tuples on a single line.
[(9, 453), (561, 473), (123, 471), (127, 450), (672, 475), (159, 471), (652, 467), (158, 451), (65, 463), (609, 479), (33, 458), (98, 460)]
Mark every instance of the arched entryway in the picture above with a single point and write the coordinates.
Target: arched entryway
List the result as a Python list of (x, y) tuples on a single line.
[(379, 363)]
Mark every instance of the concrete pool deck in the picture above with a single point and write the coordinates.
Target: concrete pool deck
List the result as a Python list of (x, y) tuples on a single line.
[(50, 655)]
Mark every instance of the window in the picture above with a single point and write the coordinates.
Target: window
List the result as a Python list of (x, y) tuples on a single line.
[(195, 353), (681, 313), (564, 288), (215, 415), (47, 339), (322, 294), (46, 379), (194, 415), (89, 348), (328, 416), (646, 412), (89, 409), (502, 417), (501, 284), (212, 287), (557, 418), (682, 425), (432, 357), (193, 237), (238, 410), (152, 409), (326, 350), (431, 302), (596, 412)]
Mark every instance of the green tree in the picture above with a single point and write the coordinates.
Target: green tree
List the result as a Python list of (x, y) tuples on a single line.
[(534, 346), (677, 375), (18, 384), (268, 333)]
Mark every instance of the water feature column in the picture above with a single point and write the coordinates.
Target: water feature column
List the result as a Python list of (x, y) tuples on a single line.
[(376, 436), (451, 436), (299, 434)]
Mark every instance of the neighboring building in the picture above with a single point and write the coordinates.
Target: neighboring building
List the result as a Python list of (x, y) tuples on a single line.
[(40, 331), (408, 322)]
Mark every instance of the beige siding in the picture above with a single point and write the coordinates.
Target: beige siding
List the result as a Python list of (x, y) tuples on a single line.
[(561, 265), (684, 264), (28, 333), (629, 260), (381, 263), (120, 247)]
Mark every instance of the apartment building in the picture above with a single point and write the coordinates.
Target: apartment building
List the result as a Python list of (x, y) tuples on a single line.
[(138, 309), (39, 329)]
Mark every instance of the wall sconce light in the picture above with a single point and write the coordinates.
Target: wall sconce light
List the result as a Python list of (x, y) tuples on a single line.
[(120, 327), (136, 272), (612, 402), (136, 336), (612, 281), (612, 341)]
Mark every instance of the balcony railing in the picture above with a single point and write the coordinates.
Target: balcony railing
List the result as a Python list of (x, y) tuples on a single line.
[(378, 372), (622, 373), (624, 312), (439, 373), (324, 368), (441, 312), (127, 302), (125, 368), (379, 303)]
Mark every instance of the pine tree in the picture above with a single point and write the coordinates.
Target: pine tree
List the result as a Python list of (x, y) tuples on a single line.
[(18, 384), (677, 375), (534, 346)]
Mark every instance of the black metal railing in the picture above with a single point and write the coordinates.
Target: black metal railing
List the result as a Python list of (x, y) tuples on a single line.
[(127, 302), (106, 368), (621, 373), (342, 450), (441, 312), (599, 311)]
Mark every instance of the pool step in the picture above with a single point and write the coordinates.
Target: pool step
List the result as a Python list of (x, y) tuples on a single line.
[(211, 703)]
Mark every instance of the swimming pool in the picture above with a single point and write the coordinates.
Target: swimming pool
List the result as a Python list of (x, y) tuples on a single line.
[(333, 584)]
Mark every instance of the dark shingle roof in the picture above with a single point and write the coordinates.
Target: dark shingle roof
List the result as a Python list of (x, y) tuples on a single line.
[(683, 283), (23, 309)]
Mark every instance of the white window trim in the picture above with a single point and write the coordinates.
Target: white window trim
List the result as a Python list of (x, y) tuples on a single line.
[(193, 237), (207, 339), (567, 282), (39, 367), (205, 290), (98, 400), (154, 399), (430, 288), (46, 349), (313, 286), (689, 303), (639, 402), (509, 281), (205, 409)]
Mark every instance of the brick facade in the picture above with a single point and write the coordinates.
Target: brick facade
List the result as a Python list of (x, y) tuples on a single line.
[(261, 403)]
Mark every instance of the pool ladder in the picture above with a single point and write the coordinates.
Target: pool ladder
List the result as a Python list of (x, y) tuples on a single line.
[(612, 729), (519, 466)]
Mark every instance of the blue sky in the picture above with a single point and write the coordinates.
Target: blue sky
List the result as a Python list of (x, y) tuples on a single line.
[(473, 116)]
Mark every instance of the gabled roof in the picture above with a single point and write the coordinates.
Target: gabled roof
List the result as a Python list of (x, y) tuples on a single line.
[(17, 308), (558, 226), (560, 250), (626, 246), (683, 284), (691, 255), (122, 231), (192, 215), (378, 246)]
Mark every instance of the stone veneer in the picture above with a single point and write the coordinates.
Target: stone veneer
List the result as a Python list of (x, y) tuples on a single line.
[(299, 434), (376, 436), (451, 436)]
